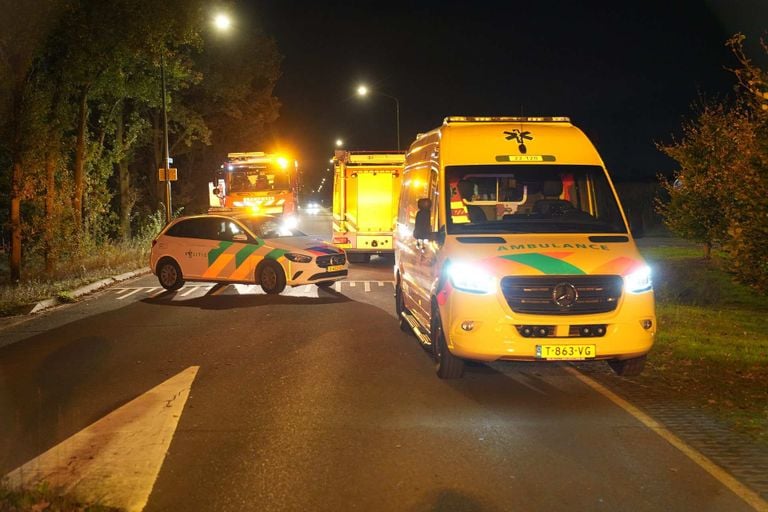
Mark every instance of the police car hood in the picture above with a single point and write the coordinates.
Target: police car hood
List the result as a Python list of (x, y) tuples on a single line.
[(303, 243), (548, 254)]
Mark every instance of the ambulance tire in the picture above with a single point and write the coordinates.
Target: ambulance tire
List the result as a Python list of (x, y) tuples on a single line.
[(169, 275), (447, 366), (271, 277), (627, 367), (400, 308)]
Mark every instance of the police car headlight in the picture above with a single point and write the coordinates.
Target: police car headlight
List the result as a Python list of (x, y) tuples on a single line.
[(290, 222), (470, 278), (298, 258), (638, 281)]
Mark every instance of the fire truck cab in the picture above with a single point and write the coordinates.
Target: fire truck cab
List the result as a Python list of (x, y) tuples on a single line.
[(255, 182)]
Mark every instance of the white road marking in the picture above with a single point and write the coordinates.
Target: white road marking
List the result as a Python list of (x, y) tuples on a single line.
[(189, 290), (367, 286), (337, 286), (352, 283), (129, 293), (116, 460), (739, 489)]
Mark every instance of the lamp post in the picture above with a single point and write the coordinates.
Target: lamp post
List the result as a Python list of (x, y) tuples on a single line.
[(363, 91), (166, 153), (222, 22)]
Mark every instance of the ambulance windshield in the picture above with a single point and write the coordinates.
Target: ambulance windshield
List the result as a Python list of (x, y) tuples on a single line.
[(530, 199)]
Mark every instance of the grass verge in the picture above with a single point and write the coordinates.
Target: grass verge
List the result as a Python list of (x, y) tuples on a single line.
[(43, 498), (712, 346), (107, 261)]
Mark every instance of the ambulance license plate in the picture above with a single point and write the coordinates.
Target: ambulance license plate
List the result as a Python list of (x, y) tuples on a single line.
[(565, 352), (334, 268)]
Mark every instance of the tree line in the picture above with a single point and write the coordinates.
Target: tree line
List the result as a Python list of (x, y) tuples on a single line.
[(81, 118), (719, 196)]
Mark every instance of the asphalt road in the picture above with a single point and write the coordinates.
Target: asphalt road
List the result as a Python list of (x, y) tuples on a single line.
[(315, 400)]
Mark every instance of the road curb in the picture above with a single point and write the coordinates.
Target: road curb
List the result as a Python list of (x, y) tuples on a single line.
[(85, 290)]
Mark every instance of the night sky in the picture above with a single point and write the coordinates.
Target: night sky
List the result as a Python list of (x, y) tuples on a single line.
[(627, 73)]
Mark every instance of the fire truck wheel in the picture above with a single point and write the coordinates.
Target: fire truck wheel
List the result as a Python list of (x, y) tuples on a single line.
[(169, 274), (447, 365), (272, 277)]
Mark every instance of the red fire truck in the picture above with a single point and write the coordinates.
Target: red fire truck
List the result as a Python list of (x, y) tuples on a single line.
[(255, 181)]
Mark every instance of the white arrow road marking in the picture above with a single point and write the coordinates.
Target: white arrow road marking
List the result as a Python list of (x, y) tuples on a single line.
[(116, 460)]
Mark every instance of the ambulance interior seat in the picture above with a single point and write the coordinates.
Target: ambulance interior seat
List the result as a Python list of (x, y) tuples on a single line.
[(552, 204), (474, 212)]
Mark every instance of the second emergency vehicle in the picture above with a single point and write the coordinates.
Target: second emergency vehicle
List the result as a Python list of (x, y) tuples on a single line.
[(255, 182), (366, 188)]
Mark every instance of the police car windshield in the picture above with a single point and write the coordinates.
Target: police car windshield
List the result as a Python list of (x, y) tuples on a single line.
[(270, 227), (530, 199)]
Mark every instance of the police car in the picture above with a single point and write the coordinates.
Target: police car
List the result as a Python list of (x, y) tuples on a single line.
[(261, 250)]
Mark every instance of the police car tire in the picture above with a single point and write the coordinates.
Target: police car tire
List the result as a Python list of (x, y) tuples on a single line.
[(272, 278), (447, 366), (627, 367), (169, 275)]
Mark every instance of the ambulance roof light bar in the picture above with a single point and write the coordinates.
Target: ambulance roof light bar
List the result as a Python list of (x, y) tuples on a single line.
[(505, 119)]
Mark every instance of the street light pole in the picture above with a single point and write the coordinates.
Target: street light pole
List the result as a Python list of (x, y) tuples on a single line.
[(166, 154), (362, 90), (397, 116)]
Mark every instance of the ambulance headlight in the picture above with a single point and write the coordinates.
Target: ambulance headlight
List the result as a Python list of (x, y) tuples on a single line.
[(298, 258), (471, 278), (638, 281)]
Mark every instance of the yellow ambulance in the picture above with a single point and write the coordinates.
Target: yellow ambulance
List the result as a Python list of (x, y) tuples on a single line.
[(511, 245)]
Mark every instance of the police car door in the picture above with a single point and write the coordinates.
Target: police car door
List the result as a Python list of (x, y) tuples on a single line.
[(195, 247)]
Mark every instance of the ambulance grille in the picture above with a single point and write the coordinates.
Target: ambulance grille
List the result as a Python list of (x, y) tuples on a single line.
[(535, 294), (332, 259)]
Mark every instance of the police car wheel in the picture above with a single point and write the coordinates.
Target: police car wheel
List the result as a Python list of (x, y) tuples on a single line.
[(272, 278), (447, 366), (169, 275)]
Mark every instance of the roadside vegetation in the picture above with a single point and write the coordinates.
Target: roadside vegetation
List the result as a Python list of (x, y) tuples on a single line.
[(712, 346), (44, 498)]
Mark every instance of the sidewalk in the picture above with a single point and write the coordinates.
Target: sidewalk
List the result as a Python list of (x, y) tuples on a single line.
[(739, 454)]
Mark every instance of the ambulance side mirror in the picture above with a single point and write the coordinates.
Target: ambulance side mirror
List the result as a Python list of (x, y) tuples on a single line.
[(422, 229)]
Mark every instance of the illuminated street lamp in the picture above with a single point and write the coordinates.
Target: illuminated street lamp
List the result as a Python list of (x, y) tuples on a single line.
[(339, 143), (222, 23), (362, 91)]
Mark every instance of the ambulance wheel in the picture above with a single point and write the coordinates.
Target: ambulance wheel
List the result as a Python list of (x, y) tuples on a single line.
[(447, 366), (169, 274), (627, 367), (400, 308), (272, 278)]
